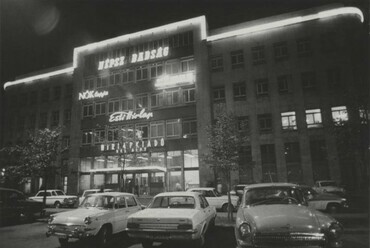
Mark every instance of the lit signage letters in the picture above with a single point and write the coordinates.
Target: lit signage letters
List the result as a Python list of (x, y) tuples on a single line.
[(174, 80), (130, 115), (131, 146), (91, 94), (135, 57)]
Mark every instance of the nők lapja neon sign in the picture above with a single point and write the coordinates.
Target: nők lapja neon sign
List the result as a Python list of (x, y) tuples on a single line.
[(129, 115), (91, 94), (135, 58)]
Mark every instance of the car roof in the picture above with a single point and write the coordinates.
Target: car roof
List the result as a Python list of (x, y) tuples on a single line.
[(262, 185), (113, 194), (201, 188), (92, 190), (178, 193)]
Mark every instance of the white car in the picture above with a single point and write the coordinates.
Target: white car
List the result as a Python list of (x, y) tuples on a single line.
[(55, 197), (215, 199), (173, 216), (329, 186), (100, 215), (91, 191)]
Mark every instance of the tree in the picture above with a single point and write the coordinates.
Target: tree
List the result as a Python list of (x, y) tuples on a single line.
[(225, 143), (36, 156)]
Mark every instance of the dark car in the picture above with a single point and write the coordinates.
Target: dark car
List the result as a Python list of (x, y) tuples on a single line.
[(14, 204)]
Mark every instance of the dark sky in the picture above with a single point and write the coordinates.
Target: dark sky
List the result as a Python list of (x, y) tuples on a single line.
[(39, 34)]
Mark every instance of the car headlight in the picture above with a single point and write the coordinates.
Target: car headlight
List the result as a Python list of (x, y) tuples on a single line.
[(245, 230), (87, 220), (335, 230), (51, 218)]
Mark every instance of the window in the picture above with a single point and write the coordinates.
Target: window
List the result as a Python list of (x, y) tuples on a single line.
[(157, 99), (157, 129), (45, 95), (319, 158), (293, 162), (239, 90), (219, 94), (114, 78), (217, 63), (99, 136), (141, 101), (308, 80), (187, 65), (55, 118), (265, 123), (57, 92), (268, 159), (262, 87), (89, 84), (189, 127), (156, 70), (172, 67), (189, 95), (127, 76), (142, 131), (281, 51), (334, 78), (65, 142), (127, 104), (87, 137), (237, 59), (313, 118), (304, 47), (112, 134), (288, 120), (243, 124), (43, 120), (284, 83), (258, 55), (67, 116), (113, 106), (141, 73), (171, 97), (102, 82), (87, 110), (130, 201), (173, 128), (339, 114), (100, 108), (68, 91)]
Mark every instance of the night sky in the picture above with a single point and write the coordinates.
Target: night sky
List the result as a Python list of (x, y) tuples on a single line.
[(37, 34)]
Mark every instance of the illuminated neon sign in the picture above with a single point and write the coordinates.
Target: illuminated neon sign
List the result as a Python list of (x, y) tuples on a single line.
[(175, 80), (135, 57), (129, 115), (131, 146), (91, 94)]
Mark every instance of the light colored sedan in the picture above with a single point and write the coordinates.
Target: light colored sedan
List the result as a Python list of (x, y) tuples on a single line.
[(276, 215), (99, 215), (173, 216)]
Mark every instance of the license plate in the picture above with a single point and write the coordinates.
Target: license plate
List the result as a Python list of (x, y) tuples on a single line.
[(161, 236)]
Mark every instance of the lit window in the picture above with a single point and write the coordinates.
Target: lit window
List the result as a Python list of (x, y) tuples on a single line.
[(112, 134), (308, 80), (142, 131), (171, 97), (189, 127), (281, 51), (284, 83), (172, 67), (304, 47), (237, 59), (156, 70), (219, 94), (216, 63), (127, 76), (141, 101), (100, 108), (189, 95), (141, 73), (313, 118), (258, 55), (262, 87), (156, 99), (113, 106), (157, 129), (288, 120), (99, 136), (87, 110), (239, 90), (187, 65), (173, 128), (265, 122), (339, 114), (86, 137), (364, 116)]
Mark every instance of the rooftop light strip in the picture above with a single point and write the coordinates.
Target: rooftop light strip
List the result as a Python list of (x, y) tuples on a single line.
[(289, 21), (39, 76)]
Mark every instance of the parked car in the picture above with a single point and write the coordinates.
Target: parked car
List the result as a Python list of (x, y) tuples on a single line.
[(215, 199), (14, 204), (91, 191), (277, 215), (329, 186), (239, 189), (176, 216), (56, 198), (100, 215), (324, 201)]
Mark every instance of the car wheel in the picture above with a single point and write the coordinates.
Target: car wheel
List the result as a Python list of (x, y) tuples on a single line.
[(63, 242), (103, 236), (147, 243), (225, 207), (199, 243), (332, 208), (57, 204)]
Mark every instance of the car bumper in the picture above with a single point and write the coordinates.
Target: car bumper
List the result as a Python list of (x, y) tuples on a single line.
[(162, 235), (75, 232)]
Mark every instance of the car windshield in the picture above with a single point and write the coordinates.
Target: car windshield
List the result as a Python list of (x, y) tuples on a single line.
[(173, 202), (273, 195), (328, 183), (98, 201), (59, 192), (90, 192)]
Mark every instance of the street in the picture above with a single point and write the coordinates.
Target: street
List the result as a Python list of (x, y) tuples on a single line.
[(32, 235)]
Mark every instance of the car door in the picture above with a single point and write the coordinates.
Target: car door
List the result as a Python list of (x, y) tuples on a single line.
[(212, 199), (207, 210), (120, 212), (132, 206)]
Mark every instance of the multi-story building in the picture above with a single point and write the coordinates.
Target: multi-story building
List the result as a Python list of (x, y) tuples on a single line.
[(141, 102)]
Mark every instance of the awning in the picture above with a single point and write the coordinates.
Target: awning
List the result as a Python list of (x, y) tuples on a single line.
[(131, 169)]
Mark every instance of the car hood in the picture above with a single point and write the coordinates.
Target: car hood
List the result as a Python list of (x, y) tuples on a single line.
[(78, 216), (326, 196), (163, 215), (282, 218), (332, 188)]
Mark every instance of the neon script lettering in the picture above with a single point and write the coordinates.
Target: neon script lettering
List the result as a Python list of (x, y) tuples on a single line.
[(130, 115), (90, 94)]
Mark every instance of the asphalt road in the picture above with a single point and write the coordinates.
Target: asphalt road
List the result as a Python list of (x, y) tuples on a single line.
[(32, 235)]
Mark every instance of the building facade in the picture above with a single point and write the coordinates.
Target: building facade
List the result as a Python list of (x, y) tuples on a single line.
[(135, 108)]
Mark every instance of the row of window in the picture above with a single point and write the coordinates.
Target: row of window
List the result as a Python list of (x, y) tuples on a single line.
[(144, 72), (285, 84), (174, 128), (304, 48), (45, 95), (154, 100)]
